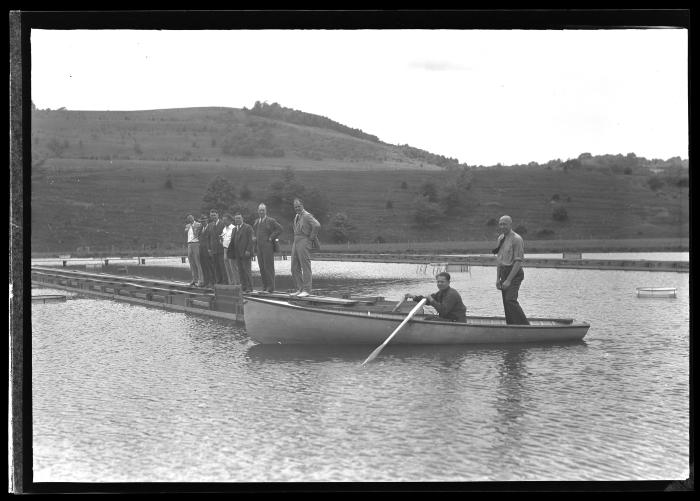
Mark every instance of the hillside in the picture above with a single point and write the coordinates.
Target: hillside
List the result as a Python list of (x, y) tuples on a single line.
[(233, 137), (93, 187)]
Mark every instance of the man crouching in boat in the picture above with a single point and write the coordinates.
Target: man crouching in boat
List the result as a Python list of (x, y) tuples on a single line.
[(446, 301)]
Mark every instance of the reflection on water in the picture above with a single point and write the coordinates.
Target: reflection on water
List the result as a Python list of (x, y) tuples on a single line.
[(128, 393)]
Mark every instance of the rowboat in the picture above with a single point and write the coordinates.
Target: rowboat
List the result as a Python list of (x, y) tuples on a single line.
[(656, 292), (297, 321)]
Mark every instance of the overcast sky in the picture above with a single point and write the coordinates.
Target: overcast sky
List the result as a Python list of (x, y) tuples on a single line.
[(480, 96)]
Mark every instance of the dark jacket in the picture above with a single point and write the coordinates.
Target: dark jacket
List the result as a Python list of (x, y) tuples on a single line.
[(213, 233), (204, 239), (450, 305), (241, 241), (266, 233)]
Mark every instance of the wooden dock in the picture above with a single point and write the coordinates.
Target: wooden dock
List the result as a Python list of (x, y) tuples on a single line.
[(457, 263), (224, 301)]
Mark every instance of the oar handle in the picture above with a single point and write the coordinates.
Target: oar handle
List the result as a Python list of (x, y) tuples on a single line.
[(415, 309)]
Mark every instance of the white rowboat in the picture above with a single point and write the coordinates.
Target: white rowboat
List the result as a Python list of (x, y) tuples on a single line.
[(656, 292), (279, 321)]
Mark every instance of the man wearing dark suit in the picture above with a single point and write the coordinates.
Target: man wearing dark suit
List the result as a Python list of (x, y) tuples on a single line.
[(204, 257), (266, 230), (216, 248), (242, 244)]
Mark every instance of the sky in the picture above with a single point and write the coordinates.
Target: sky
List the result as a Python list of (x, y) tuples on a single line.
[(481, 96)]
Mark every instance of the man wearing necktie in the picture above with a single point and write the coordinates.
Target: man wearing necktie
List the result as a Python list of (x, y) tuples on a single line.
[(266, 230), (242, 246), (306, 229)]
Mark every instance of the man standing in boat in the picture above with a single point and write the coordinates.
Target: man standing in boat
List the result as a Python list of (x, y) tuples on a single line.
[(266, 230), (305, 239), (509, 270), (446, 301)]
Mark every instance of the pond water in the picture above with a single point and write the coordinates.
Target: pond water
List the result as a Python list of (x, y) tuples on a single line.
[(130, 393)]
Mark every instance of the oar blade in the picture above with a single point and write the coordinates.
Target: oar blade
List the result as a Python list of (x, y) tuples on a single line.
[(373, 355)]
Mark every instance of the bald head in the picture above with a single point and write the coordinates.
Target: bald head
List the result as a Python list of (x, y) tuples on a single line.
[(504, 224)]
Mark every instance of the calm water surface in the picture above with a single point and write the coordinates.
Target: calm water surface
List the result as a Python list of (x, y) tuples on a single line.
[(130, 393)]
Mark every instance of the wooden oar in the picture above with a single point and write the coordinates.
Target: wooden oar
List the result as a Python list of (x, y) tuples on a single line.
[(415, 309)]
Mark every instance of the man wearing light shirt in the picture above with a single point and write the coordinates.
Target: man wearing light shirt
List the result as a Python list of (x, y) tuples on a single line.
[(229, 260), (509, 270), (193, 229)]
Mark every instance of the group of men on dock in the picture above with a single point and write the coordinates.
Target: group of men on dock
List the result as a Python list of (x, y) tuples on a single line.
[(220, 250)]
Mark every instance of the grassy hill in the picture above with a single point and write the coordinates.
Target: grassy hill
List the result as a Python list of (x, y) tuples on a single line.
[(125, 180)]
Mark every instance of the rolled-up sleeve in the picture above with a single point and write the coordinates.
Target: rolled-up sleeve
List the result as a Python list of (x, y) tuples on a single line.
[(518, 250)]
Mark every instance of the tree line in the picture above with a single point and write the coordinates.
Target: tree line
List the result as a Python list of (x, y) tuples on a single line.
[(278, 112)]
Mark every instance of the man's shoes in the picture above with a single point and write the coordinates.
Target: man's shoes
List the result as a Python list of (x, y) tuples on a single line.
[(303, 294)]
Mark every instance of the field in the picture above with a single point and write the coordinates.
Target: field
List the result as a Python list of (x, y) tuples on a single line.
[(87, 203), (120, 181)]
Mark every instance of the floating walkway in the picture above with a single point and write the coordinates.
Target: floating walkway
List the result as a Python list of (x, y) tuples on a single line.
[(461, 263), (224, 301)]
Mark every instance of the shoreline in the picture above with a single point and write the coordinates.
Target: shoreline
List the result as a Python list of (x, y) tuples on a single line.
[(442, 247)]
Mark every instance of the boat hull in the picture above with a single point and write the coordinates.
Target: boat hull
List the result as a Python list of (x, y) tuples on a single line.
[(282, 322)]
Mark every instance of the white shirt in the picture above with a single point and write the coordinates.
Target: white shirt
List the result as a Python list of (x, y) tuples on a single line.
[(190, 235), (227, 235)]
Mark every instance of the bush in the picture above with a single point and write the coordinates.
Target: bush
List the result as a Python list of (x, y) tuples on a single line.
[(559, 214), (404, 186), (245, 193), (429, 190), (389, 204), (655, 183), (169, 184), (521, 230), (379, 240), (491, 222), (555, 197), (426, 212), (341, 228), (545, 232)]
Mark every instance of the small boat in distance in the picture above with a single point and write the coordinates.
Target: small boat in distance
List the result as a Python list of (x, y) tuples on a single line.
[(656, 292), (319, 321)]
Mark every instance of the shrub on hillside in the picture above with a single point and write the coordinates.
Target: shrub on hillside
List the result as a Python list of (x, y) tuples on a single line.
[(555, 197), (245, 193), (379, 240), (545, 232), (389, 204), (655, 183), (521, 230), (220, 195), (404, 186), (491, 222), (426, 212), (168, 183), (429, 190), (559, 213), (340, 228)]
